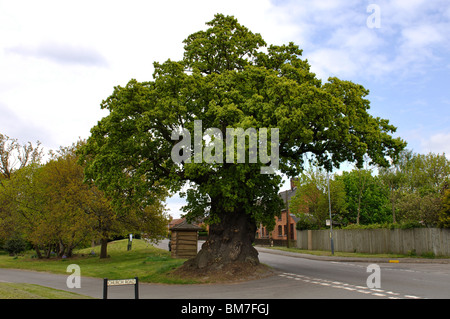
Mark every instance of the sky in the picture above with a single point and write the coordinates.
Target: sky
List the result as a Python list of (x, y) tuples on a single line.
[(60, 59)]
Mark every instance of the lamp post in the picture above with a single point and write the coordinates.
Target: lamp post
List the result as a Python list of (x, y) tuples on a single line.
[(331, 220)]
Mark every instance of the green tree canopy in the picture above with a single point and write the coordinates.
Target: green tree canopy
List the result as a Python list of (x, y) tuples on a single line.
[(366, 196), (228, 78), (311, 198), (416, 184), (444, 215)]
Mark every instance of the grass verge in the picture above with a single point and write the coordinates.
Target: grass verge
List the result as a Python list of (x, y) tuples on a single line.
[(32, 291), (150, 264), (348, 254)]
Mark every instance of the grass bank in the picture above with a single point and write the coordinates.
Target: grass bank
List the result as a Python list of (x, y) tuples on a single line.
[(31, 291), (150, 264)]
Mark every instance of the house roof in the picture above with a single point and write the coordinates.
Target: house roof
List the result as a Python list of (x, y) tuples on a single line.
[(174, 222), (184, 225)]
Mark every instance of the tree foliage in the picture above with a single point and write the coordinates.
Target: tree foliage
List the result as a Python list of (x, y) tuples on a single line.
[(410, 192), (416, 186), (444, 216), (229, 78), (14, 156), (366, 196), (51, 207), (311, 198)]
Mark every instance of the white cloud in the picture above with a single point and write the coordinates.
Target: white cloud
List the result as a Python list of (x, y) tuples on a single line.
[(413, 36), (421, 36), (20, 128), (59, 59), (331, 62), (438, 143), (61, 53)]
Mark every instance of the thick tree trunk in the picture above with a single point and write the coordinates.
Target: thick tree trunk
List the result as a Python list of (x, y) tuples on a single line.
[(229, 241), (104, 247), (62, 249), (38, 252)]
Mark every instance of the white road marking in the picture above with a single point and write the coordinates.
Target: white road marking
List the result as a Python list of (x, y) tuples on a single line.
[(346, 286)]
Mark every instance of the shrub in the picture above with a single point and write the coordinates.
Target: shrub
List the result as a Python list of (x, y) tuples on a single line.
[(15, 245), (410, 225), (306, 222), (429, 254), (403, 225)]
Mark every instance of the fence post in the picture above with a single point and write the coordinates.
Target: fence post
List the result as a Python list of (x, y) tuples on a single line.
[(310, 243), (105, 288)]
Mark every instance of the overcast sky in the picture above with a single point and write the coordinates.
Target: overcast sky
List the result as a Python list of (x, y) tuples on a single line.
[(60, 59)]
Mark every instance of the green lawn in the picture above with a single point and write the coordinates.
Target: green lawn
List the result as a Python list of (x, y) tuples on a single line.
[(31, 291), (148, 263)]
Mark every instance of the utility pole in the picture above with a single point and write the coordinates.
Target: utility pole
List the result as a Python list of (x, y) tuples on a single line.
[(331, 219)]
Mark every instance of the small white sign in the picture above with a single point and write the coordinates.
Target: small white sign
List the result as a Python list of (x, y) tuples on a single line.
[(328, 222), (121, 282)]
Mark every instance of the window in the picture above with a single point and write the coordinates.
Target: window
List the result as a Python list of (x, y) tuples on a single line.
[(280, 231)]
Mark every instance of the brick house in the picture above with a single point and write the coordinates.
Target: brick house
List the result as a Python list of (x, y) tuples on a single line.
[(280, 230)]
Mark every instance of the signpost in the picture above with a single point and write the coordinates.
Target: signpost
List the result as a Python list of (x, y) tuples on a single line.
[(130, 241), (121, 282)]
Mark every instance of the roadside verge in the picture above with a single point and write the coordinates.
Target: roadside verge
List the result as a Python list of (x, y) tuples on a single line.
[(354, 259)]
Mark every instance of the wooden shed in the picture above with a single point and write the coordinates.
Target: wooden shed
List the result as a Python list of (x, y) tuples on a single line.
[(184, 240)]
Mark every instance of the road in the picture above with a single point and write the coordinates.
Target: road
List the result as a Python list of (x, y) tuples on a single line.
[(330, 279), (295, 278)]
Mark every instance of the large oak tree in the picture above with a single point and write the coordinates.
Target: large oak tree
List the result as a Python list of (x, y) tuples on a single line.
[(229, 78)]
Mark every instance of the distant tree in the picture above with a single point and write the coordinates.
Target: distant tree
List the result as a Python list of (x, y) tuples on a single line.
[(366, 197), (24, 212), (424, 209), (395, 179), (417, 184), (96, 214), (50, 206), (14, 156), (444, 216), (311, 198)]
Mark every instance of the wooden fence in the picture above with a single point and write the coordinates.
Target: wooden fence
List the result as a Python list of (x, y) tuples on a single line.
[(378, 241)]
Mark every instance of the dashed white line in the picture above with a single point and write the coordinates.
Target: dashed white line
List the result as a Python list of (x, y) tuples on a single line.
[(346, 286), (412, 297)]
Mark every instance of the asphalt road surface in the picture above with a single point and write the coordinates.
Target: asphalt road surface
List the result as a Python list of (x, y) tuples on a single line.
[(296, 277), (342, 279)]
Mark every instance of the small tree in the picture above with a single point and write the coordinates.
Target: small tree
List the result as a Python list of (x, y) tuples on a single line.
[(14, 156), (311, 198), (444, 216), (366, 196)]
